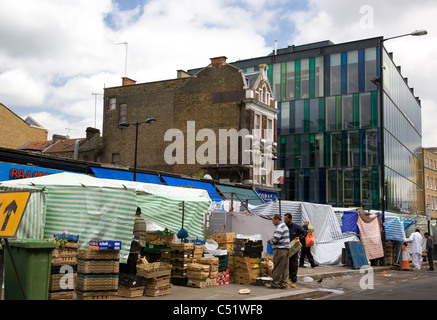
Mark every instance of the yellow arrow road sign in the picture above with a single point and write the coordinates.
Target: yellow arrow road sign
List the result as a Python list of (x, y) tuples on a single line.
[(12, 207)]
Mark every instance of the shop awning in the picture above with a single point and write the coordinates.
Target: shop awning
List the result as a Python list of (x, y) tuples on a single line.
[(242, 193), (187, 183), (125, 175)]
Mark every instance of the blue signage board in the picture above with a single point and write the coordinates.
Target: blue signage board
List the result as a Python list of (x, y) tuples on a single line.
[(11, 171)]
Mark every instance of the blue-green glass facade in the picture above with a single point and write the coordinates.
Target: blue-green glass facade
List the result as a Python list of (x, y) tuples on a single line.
[(344, 138)]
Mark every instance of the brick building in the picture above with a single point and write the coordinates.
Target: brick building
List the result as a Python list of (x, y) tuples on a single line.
[(14, 131), (430, 183), (199, 119)]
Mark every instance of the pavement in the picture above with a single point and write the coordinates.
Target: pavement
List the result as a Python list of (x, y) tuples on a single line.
[(231, 291)]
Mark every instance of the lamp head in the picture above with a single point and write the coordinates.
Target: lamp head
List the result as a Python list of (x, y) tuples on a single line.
[(150, 120)]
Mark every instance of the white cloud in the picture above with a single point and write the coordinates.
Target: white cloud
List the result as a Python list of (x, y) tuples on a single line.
[(59, 52)]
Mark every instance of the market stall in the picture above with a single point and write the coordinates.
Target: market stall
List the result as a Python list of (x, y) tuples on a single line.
[(104, 209)]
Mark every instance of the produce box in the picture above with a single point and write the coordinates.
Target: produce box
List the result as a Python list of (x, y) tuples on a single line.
[(191, 274), (198, 283), (131, 292), (98, 266), (223, 237), (85, 254), (295, 246), (155, 269), (155, 291), (93, 282), (199, 267), (156, 281), (105, 245), (182, 246)]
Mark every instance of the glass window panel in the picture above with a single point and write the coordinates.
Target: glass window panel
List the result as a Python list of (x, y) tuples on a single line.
[(321, 114), (335, 147), (299, 116), (285, 117), (318, 77), (312, 77), (352, 71), (335, 74), (365, 111), (304, 78), (344, 72), (319, 147), (290, 80), (283, 81), (338, 117), (370, 66), (353, 147), (314, 115), (348, 112), (277, 81), (330, 113), (366, 187), (297, 82), (333, 186), (348, 186), (371, 145)]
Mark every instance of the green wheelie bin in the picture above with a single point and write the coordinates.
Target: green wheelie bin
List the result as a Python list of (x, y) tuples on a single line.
[(33, 262)]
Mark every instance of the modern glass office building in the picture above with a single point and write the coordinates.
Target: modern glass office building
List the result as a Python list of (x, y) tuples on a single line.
[(349, 128)]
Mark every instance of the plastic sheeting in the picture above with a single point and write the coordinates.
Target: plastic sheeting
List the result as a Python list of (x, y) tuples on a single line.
[(330, 238)]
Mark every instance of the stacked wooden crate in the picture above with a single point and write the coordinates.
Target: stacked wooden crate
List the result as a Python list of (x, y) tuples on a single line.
[(246, 270), (97, 274), (63, 268), (225, 241), (156, 278), (203, 273), (181, 256), (130, 285)]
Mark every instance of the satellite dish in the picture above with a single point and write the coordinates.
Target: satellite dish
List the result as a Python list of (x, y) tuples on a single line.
[(207, 176)]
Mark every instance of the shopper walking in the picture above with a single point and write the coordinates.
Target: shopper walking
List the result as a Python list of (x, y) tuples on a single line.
[(416, 248), (296, 232), (429, 250), (280, 242), (306, 251)]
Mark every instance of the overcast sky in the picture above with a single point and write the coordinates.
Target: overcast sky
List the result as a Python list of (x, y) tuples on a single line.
[(54, 54)]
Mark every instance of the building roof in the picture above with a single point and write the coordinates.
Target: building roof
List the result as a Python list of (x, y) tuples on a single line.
[(35, 145), (64, 145)]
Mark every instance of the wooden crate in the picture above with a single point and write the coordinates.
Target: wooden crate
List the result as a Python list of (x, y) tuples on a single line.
[(156, 281), (130, 292), (153, 270), (57, 279), (155, 291), (61, 295), (97, 282), (85, 254), (96, 296), (97, 266)]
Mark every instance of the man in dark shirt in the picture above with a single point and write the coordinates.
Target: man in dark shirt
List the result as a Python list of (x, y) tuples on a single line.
[(295, 232), (429, 249), (306, 251)]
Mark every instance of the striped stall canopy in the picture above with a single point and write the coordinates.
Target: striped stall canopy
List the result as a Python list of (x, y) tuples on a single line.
[(104, 209)]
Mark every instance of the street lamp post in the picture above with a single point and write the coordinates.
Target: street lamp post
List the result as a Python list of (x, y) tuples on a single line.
[(379, 81), (136, 124)]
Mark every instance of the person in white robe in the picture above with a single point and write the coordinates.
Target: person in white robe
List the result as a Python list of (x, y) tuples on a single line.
[(416, 248)]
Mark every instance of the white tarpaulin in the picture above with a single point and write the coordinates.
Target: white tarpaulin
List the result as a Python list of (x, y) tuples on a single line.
[(104, 209), (329, 237)]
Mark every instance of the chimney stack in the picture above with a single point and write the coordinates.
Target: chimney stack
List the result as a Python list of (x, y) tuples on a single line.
[(127, 82), (218, 62)]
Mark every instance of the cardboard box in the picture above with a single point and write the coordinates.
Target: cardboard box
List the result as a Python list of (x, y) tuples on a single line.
[(191, 274), (105, 245), (199, 267), (223, 237)]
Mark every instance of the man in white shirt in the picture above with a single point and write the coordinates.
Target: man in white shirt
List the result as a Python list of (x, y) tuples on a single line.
[(416, 248)]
